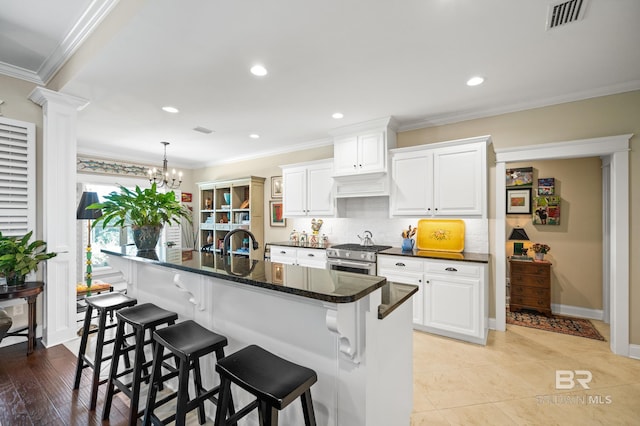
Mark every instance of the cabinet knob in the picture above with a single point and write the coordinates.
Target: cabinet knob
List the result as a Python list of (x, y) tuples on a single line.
[(354, 166), (360, 165), (311, 255), (400, 264), (428, 209), (419, 281), (436, 209), (427, 282), (283, 252), (450, 269)]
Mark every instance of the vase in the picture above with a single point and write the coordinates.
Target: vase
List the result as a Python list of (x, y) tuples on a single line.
[(539, 256), (407, 244), (15, 280), (146, 237)]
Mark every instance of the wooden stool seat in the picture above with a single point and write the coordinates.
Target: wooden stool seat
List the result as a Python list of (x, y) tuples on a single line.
[(274, 381)]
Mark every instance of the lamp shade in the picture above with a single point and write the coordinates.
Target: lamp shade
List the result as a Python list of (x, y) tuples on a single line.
[(518, 234), (86, 200)]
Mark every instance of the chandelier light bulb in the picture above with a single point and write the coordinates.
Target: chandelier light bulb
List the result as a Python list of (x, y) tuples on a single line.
[(161, 178)]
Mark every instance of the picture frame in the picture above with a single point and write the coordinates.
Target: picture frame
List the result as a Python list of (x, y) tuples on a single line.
[(522, 176), (519, 201), (186, 197), (276, 217), (276, 186)]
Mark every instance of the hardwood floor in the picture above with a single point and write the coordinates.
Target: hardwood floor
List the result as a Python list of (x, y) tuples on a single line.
[(37, 390)]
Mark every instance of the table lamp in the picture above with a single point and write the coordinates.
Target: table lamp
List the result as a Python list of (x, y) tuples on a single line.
[(82, 212), (518, 234)]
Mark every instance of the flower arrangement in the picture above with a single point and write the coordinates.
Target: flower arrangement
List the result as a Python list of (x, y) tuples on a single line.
[(540, 248)]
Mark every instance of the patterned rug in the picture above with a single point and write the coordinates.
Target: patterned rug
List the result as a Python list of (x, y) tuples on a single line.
[(557, 323)]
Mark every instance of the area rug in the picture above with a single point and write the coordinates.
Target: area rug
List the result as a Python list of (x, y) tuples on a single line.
[(556, 323)]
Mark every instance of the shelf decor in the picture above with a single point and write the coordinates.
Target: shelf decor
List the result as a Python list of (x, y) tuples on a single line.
[(519, 201)]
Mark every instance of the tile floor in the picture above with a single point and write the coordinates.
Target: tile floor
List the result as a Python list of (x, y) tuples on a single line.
[(511, 381)]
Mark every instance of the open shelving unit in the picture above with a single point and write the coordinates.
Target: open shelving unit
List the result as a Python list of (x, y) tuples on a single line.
[(228, 205)]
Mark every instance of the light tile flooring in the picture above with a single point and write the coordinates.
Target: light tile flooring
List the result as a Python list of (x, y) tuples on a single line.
[(511, 380)]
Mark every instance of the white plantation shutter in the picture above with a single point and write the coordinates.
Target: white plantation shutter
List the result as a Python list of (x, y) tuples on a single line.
[(17, 177)]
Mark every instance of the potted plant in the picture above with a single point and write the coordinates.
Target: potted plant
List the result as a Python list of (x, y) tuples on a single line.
[(145, 210), (19, 257), (540, 250)]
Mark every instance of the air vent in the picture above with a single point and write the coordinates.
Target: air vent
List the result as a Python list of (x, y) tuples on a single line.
[(203, 130), (565, 12)]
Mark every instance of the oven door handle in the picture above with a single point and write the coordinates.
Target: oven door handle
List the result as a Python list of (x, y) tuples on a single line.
[(342, 262)]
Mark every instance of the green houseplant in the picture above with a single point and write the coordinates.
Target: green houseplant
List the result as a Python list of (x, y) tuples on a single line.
[(18, 257), (146, 210)]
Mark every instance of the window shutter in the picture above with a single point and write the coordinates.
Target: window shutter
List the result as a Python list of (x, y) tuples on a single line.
[(17, 177)]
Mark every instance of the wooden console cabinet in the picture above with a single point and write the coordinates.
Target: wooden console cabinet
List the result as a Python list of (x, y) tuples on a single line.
[(530, 286)]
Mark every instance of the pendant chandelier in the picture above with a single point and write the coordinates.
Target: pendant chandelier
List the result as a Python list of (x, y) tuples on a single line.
[(161, 177)]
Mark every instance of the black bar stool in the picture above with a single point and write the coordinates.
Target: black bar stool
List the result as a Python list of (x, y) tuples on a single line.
[(275, 382), (187, 342), (104, 304), (141, 318)]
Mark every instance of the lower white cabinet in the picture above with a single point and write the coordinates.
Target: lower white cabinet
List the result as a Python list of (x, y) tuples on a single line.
[(452, 297), (312, 258)]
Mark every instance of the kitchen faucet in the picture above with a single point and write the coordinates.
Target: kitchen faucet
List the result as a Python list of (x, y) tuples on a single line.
[(367, 240), (225, 243)]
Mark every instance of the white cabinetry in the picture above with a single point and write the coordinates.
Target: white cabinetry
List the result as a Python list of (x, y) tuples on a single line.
[(312, 258), (308, 189), (442, 179), (365, 153), (452, 297)]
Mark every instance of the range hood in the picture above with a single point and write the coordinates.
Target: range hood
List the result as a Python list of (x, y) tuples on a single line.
[(365, 185)]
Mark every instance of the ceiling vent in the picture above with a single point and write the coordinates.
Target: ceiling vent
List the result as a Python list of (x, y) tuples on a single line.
[(203, 130), (565, 12)]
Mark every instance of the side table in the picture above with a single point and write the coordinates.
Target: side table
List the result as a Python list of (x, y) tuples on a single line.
[(29, 291)]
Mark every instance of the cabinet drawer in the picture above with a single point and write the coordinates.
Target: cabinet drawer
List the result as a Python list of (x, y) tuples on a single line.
[(392, 275), (278, 252), (312, 255), (452, 268), (534, 302), (400, 263), (525, 291), (530, 268), (529, 280)]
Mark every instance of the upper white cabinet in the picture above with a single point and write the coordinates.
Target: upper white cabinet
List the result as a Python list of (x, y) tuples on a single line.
[(362, 148), (308, 189), (442, 179)]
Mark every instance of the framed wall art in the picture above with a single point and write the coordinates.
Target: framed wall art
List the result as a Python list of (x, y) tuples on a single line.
[(519, 201), (546, 210), (520, 177), (276, 217), (546, 186), (276, 186)]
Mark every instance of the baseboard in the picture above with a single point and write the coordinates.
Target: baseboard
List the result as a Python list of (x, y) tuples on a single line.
[(492, 323), (634, 351), (576, 311)]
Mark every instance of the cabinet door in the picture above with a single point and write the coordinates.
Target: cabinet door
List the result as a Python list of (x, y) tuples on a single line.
[(458, 181), (372, 154), (413, 279), (320, 190), (411, 184), (294, 190), (452, 304), (345, 156)]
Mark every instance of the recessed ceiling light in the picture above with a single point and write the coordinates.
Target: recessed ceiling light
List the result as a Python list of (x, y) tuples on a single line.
[(172, 110), (337, 115), (258, 70), (254, 136), (475, 81)]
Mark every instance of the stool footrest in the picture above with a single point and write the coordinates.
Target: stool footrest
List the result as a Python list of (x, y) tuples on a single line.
[(242, 412)]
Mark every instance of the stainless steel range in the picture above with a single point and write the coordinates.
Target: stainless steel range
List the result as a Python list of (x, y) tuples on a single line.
[(354, 258)]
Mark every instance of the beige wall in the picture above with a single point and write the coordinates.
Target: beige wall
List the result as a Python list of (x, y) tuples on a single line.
[(591, 118), (576, 244)]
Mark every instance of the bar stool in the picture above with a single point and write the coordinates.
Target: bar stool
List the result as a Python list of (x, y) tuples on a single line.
[(104, 304), (275, 382), (187, 342), (141, 318)]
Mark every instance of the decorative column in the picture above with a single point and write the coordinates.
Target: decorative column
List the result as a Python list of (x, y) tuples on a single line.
[(56, 188)]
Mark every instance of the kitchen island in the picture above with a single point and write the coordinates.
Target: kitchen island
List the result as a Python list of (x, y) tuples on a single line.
[(354, 330)]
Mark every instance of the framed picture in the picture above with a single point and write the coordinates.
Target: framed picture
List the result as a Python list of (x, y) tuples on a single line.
[(187, 197), (546, 186), (276, 186), (519, 201), (520, 177), (276, 219), (546, 210)]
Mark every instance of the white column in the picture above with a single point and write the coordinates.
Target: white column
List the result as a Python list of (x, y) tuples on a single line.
[(57, 186)]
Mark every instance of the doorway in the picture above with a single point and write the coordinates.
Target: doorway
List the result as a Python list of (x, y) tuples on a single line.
[(614, 151)]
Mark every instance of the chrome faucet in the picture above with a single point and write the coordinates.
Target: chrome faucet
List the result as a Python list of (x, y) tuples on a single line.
[(225, 243), (367, 240)]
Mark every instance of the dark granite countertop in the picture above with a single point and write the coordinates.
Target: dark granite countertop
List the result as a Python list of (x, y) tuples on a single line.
[(299, 245), (319, 284), (439, 255), (394, 295)]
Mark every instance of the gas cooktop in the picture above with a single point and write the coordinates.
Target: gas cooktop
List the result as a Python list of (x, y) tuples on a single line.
[(359, 247)]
